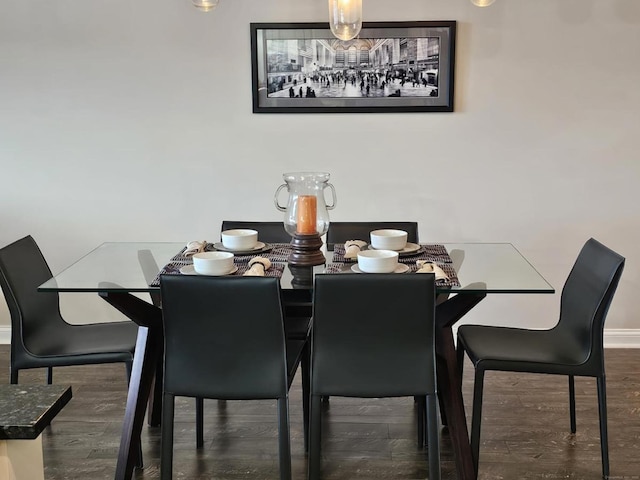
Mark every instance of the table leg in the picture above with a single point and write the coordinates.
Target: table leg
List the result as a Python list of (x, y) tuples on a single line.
[(449, 382), (155, 397), (149, 347)]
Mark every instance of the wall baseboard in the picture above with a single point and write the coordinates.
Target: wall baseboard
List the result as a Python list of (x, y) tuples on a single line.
[(613, 337), (5, 335), (622, 338)]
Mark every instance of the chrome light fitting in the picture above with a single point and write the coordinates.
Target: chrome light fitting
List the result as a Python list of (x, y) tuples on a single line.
[(345, 18), (205, 5)]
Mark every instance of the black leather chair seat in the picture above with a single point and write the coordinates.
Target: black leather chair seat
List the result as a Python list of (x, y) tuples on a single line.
[(515, 349), (97, 342)]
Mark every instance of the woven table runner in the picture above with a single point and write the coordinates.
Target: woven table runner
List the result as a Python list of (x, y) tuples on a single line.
[(452, 281), (279, 255), (430, 253)]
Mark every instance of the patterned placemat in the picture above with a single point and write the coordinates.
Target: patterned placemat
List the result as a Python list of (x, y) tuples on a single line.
[(429, 252), (173, 268), (452, 281), (279, 253)]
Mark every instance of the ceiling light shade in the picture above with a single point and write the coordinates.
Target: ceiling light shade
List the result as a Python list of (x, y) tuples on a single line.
[(482, 3), (345, 18), (205, 5)]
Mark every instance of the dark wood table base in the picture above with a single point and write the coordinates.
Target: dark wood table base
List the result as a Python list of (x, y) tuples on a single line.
[(144, 371), (450, 381)]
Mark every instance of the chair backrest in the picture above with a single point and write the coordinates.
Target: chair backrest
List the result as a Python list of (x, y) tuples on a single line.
[(340, 232), (373, 335), (270, 232), (22, 270), (224, 337), (585, 300)]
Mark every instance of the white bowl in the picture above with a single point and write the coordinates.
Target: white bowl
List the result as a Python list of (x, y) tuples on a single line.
[(388, 239), (377, 261), (240, 239), (213, 263)]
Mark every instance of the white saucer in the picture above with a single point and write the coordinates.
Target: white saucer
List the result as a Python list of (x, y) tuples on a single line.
[(189, 270), (259, 247), (408, 248), (401, 268)]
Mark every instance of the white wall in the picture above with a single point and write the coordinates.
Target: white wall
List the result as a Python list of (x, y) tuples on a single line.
[(131, 120)]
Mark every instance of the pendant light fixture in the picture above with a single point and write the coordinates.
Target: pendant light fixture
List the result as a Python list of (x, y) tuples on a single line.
[(345, 18), (205, 5), (482, 3)]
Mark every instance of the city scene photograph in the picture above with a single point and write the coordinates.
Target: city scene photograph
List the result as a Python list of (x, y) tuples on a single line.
[(358, 68)]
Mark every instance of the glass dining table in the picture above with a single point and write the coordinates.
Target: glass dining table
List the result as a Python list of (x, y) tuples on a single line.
[(120, 271)]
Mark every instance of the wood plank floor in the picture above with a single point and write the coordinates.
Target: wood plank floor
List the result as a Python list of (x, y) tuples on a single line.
[(525, 430)]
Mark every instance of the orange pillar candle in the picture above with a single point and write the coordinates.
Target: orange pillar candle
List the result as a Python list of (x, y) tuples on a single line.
[(307, 214)]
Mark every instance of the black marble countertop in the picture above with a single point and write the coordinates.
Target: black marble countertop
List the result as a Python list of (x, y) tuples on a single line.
[(25, 410)]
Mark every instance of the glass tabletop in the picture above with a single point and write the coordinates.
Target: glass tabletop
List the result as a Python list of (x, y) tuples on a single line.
[(115, 266), (132, 266), (494, 268)]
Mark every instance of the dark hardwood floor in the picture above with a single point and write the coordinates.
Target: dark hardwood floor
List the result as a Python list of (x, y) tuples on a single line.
[(525, 430)]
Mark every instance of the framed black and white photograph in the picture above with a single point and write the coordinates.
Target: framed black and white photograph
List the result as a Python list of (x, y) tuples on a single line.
[(388, 67)]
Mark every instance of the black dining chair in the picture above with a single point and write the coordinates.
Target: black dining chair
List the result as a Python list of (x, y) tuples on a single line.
[(224, 339), (373, 336), (340, 232), (40, 337), (574, 347), (296, 304)]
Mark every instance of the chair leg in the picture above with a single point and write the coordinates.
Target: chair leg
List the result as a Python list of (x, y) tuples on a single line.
[(604, 438), (433, 438), (166, 441), (421, 407), (284, 439), (476, 417), (314, 438), (460, 358), (199, 422), (14, 375), (306, 392), (49, 375), (572, 403)]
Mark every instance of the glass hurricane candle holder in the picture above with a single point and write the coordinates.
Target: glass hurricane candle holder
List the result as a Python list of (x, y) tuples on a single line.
[(306, 219), (306, 211)]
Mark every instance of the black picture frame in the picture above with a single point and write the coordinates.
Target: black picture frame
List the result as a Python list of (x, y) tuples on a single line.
[(388, 67)]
